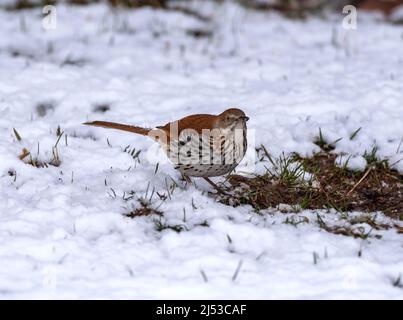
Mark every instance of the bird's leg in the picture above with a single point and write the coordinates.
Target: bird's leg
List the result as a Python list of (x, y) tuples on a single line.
[(219, 190), (187, 179)]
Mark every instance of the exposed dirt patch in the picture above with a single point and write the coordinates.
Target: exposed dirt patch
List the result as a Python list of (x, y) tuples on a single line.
[(378, 188), (145, 209)]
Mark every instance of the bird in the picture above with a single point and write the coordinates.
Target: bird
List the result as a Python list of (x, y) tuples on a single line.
[(199, 145)]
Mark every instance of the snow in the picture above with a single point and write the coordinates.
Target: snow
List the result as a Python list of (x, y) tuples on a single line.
[(355, 163), (63, 230)]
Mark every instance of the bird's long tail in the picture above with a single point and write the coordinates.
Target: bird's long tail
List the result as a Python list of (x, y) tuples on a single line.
[(118, 126)]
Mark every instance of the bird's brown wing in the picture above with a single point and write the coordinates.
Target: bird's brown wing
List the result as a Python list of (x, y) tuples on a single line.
[(197, 122)]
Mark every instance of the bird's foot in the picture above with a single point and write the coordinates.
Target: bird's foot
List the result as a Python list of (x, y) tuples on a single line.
[(219, 190)]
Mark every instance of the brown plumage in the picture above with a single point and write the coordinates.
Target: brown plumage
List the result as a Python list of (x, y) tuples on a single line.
[(119, 126), (223, 149)]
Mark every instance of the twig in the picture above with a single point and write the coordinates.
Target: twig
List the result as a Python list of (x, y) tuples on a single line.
[(361, 180)]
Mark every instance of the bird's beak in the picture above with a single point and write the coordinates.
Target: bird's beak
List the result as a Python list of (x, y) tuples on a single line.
[(246, 118)]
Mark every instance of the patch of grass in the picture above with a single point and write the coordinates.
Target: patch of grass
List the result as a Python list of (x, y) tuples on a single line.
[(330, 187), (343, 165), (373, 160), (145, 209), (163, 225), (325, 145), (286, 169), (145, 205), (371, 156), (26, 155), (133, 153)]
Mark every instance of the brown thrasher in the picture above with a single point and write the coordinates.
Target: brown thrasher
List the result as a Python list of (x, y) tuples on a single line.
[(200, 145)]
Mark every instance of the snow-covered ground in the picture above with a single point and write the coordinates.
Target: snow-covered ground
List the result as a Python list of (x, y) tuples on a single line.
[(63, 232)]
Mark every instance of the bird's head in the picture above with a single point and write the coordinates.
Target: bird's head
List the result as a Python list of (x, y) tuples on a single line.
[(232, 118)]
